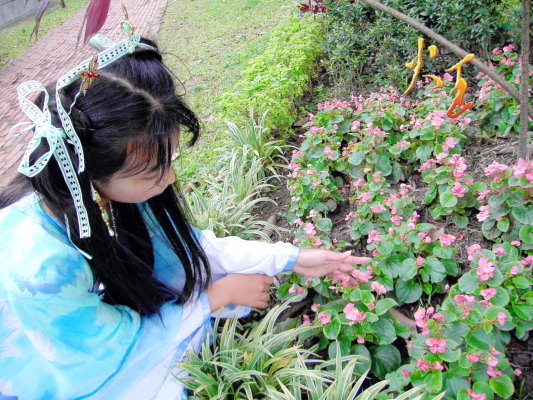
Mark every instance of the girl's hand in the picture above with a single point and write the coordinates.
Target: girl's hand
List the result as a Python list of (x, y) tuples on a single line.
[(317, 263), (241, 289)]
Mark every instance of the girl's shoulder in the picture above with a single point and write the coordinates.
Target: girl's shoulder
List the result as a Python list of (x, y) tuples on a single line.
[(34, 245)]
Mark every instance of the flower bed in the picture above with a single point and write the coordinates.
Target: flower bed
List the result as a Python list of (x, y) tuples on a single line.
[(362, 153)]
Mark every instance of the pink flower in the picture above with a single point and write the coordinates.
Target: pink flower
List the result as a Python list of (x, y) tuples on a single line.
[(313, 213), (423, 365), (328, 152), (449, 143), (483, 195), (314, 307), (483, 214), (499, 251), (292, 289), (485, 269), (405, 373), (355, 125), (420, 260), (306, 319), (520, 169), (438, 366), (364, 197), (374, 236), (324, 318), (472, 357), (377, 209), (488, 293), (501, 318), (509, 48), (396, 220), (496, 51), (378, 288), (493, 373), (514, 270), (436, 345), (496, 170), (310, 230), (476, 396), (472, 250), (517, 372), (377, 177), (516, 242), (353, 314), (458, 190), (463, 298), (360, 340), (492, 361), (446, 240)]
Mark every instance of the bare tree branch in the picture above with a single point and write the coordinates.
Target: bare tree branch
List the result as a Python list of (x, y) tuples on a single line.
[(453, 48), (524, 90)]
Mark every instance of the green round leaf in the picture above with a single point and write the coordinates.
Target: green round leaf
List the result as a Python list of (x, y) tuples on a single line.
[(356, 158), (524, 215), (460, 220), (502, 386), (362, 365), (383, 305), (385, 359), (526, 234), (502, 297), (447, 199), (408, 291), (408, 270), (469, 282), (332, 330), (433, 381), (483, 388), (324, 224), (503, 225)]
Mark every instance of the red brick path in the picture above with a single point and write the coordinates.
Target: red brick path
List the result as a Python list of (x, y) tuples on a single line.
[(52, 56)]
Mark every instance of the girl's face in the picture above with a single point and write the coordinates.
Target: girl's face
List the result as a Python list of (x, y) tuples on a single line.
[(126, 186)]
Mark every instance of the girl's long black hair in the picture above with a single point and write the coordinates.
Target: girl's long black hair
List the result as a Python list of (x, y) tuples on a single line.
[(130, 115)]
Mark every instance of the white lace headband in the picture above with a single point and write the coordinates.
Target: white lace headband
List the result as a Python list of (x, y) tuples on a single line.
[(56, 137)]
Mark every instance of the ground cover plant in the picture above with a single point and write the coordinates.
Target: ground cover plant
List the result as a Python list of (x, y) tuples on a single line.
[(468, 311)]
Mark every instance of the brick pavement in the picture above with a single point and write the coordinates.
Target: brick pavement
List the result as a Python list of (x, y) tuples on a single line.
[(52, 56)]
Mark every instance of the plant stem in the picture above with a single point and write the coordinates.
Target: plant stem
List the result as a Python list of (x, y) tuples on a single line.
[(453, 48), (522, 138)]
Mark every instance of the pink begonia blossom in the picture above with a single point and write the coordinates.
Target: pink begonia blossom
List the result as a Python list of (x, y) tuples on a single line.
[(517, 372), (446, 240), (449, 143), (396, 220), (360, 340), (313, 213), (420, 260), (314, 307), (310, 230), (436, 345), (364, 197), (472, 250), (476, 396), (516, 242), (439, 317), (493, 373), (501, 318), (374, 236), (491, 361), (318, 242), (324, 318), (423, 365), (496, 170), (405, 373), (458, 190), (499, 251), (519, 170), (377, 209), (472, 358), (378, 288), (316, 182), (448, 77), (464, 298), (360, 275), (509, 48), (485, 269), (353, 314), (377, 177), (355, 125), (438, 366), (402, 144), (496, 51), (483, 213), (306, 319), (483, 195), (329, 152), (488, 293)]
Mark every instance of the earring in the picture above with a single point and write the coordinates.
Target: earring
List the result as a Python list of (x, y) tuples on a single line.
[(108, 217)]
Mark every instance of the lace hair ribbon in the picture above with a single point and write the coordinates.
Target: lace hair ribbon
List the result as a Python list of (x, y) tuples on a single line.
[(56, 137)]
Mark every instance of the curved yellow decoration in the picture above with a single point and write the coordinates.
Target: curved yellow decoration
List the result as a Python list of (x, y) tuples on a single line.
[(438, 81), (433, 51)]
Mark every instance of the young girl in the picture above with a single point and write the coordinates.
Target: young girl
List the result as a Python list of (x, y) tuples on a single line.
[(104, 284)]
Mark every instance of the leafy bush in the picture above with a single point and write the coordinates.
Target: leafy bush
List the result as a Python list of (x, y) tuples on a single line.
[(279, 76), (365, 44), (498, 111)]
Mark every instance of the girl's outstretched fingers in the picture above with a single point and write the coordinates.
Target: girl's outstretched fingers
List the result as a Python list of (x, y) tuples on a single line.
[(321, 262)]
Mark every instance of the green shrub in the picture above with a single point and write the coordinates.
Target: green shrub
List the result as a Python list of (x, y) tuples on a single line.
[(278, 77)]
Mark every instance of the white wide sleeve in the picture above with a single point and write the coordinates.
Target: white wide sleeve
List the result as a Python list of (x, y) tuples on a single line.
[(235, 255)]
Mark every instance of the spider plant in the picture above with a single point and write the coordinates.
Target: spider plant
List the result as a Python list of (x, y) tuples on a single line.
[(254, 136), (270, 362)]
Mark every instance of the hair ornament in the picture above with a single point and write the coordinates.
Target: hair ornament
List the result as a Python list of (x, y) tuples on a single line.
[(58, 137)]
